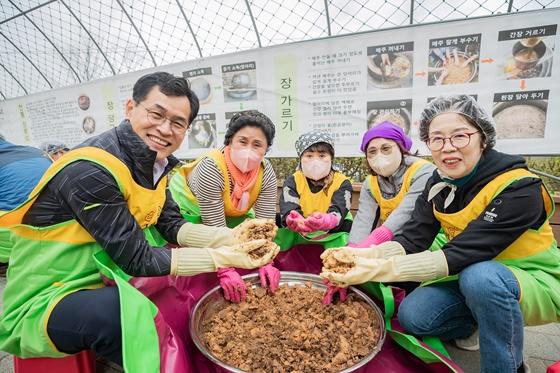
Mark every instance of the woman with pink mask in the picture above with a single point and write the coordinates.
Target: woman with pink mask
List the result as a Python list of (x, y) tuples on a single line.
[(231, 184), (388, 195), (315, 200)]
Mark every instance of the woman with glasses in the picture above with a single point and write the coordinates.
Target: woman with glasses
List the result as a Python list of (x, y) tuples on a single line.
[(388, 195), (500, 269)]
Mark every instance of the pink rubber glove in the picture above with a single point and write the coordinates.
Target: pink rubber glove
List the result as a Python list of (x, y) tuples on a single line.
[(232, 284), (270, 277), (320, 221), (331, 291), (296, 222), (379, 235)]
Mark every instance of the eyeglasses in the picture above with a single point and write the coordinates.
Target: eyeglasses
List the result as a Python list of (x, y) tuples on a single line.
[(386, 149), (157, 119), (459, 141)]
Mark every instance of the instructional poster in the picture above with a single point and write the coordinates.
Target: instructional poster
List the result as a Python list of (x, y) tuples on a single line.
[(345, 84)]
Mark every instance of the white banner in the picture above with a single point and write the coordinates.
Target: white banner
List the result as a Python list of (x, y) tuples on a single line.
[(344, 84)]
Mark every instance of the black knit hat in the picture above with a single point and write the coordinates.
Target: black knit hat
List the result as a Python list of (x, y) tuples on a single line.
[(250, 118)]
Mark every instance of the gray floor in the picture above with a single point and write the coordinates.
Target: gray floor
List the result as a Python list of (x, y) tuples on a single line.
[(542, 348)]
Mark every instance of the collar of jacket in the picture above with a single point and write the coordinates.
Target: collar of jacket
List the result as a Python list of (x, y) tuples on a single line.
[(138, 156)]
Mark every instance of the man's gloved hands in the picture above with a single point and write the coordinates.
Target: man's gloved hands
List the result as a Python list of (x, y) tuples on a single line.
[(332, 290), (255, 229), (379, 235), (297, 223), (270, 277), (248, 255), (232, 284), (200, 235), (319, 221)]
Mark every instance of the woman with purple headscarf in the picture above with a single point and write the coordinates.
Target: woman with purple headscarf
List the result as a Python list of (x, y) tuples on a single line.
[(388, 195)]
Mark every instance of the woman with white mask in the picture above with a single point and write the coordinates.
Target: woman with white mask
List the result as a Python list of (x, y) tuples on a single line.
[(388, 195), (316, 197), (229, 185)]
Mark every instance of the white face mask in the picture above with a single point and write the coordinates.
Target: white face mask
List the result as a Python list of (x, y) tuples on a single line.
[(245, 159), (315, 169), (385, 165)]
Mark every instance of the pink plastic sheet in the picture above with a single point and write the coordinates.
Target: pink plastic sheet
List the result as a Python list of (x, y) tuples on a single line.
[(176, 297)]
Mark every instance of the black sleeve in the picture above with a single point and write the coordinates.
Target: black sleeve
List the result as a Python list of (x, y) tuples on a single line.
[(289, 199), (418, 234), (341, 201), (91, 196), (517, 208), (170, 219)]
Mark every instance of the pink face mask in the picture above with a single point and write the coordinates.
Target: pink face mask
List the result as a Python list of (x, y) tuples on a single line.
[(315, 169), (245, 159)]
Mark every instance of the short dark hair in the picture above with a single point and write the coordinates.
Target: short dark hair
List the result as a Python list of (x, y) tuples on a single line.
[(252, 118), (169, 85), (320, 147)]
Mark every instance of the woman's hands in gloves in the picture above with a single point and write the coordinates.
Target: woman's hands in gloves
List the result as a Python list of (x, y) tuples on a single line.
[(319, 221), (347, 266), (270, 277), (331, 292), (379, 235), (232, 284), (297, 223)]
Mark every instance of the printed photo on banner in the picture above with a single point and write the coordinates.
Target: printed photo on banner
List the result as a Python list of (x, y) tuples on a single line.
[(202, 132), (201, 83), (390, 66), (239, 81), (454, 60), (396, 111), (526, 53), (520, 115)]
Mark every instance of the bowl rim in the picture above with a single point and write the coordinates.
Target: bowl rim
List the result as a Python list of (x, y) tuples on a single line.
[(289, 277)]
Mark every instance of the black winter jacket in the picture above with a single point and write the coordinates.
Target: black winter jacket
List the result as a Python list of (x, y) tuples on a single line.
[(84, 183), (517, 208)]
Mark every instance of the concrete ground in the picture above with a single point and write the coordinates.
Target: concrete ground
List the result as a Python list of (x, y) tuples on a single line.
[(542, 348)]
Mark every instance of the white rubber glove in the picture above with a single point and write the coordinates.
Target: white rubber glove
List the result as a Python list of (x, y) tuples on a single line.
[(200, 235), (423, 266), (190, 261), (381, 251)]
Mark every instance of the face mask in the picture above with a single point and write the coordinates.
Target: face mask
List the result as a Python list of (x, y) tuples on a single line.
[(385, 165), (315, 169), (245, 159)]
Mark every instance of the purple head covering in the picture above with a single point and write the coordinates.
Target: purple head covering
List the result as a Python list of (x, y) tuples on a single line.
[(387, 130)]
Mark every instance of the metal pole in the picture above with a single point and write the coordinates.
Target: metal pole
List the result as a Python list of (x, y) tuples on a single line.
[(411, 12), (138, 32), (190, 28), (27, 11), (328, 17), (254, 24), (17, 81), (510, 5), (28, 59), (553, 177), (91, 37), (50, 41)]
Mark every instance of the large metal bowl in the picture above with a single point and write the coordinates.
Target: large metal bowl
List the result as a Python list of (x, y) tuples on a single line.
[(214, 301)]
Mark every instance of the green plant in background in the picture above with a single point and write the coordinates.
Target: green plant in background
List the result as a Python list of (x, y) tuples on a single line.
[(355, 169)]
